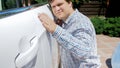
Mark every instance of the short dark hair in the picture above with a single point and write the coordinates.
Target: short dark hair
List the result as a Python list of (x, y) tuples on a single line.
[(65, 0), (50, 1)]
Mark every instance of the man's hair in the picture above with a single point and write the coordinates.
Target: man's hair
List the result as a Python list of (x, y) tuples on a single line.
[(50, 1)]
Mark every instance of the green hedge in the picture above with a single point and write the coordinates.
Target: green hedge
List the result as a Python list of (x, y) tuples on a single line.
[(9, 4), (107, 26)]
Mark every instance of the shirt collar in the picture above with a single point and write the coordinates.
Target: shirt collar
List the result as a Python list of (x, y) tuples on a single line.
[(71, 16)]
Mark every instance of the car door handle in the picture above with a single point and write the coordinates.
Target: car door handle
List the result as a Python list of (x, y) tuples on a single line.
[(28, 50)]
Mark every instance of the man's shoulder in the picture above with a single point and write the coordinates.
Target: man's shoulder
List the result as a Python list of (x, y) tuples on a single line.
[(80, 14)]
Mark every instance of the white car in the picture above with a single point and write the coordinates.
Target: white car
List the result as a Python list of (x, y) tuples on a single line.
[(24, 42)]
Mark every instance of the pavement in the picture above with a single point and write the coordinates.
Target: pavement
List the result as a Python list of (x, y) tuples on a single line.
[(106, 47)]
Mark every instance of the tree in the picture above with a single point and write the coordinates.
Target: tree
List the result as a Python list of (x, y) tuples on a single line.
[(78, 3), (0, 5), (113, 8)]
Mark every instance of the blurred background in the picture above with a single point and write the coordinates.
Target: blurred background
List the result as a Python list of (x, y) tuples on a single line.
[(104, 14)]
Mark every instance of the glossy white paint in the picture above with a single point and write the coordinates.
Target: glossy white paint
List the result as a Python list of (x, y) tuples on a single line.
[(17, 27)]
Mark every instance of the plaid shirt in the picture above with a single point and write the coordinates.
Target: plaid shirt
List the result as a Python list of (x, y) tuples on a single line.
[(77, 39)]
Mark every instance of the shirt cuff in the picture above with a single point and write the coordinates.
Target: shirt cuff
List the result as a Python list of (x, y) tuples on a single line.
[(57, 32)]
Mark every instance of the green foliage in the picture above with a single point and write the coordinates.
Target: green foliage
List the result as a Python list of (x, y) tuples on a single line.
[(11, 4), (42, 1), (79, 1), (112, 26), (108, 26), (99, 24)]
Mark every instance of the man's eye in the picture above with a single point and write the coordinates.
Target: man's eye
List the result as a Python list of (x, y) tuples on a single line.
[(53, 6), (59, 4)]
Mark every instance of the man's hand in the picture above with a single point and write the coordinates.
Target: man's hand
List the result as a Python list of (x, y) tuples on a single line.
[(47, 22)]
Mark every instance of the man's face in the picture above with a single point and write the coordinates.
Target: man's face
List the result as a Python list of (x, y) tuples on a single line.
[(61, 9)]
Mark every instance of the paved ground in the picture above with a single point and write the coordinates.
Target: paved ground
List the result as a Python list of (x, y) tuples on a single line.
[(106, 46)]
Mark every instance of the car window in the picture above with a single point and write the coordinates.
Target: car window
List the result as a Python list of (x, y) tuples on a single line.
[(10, 7)]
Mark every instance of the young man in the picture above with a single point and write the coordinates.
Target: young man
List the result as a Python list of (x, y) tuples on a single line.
[(76, 37)]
